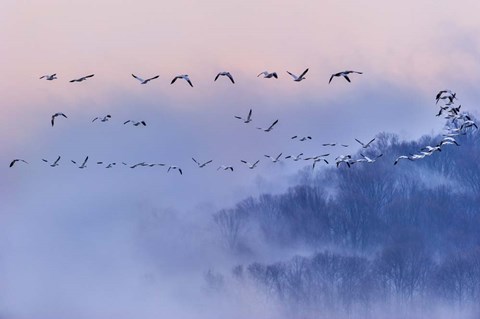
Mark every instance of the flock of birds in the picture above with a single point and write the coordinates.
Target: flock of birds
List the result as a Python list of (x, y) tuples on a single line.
[(459, 122), (186, 78)]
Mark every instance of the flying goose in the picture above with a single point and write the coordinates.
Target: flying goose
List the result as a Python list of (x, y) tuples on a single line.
[(468, 123), (183, 77), (201, 165), (344, 74), (317, 159), (268, 75), (17, 160), (347, 159), (138, 164), (49, 77), (227, 74), (400, 158), (246, 120), (274, 159), (84, 164), (365, 145), (225, 167), (135, 123), (367, 159), (295, 158), (175, 167), (83, 78), (431, 149), (302, 139), (334, 144), (55, 115), (54, 163), (268, 129), (298, 78), (102, 119), (250, 165), (142, 81)]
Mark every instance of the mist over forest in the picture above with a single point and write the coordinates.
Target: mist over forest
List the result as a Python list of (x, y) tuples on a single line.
[(370, 241)]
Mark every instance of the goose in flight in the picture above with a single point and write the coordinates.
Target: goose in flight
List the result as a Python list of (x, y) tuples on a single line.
[(431, 149), (142, 81), (175, 167), (268, 129), (295, 158), (201, 165), (268, 75), (135, 123), (334, 144), (467, 124), (84, 164), (17, 160), (401, 158), (317, 159), (138, 164), (250, 165), (448, 95), (183, 77), (347, 159), (274, 159), (298, 78), (344, 74), (49, 77), (54, 163), (302, 139), (83, 78), (365, 145), (227, 74), (448, 140), (367, 159), (102, 119), (225, 167), (55, 115), (246, 120)]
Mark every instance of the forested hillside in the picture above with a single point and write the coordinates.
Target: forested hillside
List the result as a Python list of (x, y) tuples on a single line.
[(401, 240)]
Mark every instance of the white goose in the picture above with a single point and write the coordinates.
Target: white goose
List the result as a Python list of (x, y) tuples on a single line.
[(298, 78), (295, 158), (201, 165), (183, 77), (49, 77), (268, 75), (102, 119), (54, 163), (17, 160), (227, 74), (268, 129), (274, 159), (344, 74), (84, 164), (83, 78), (55, 115), (225, 167), (365, 145), (175, 167), (367, 159), (250, 165), (135, 123), (246, 120), (142, 81)]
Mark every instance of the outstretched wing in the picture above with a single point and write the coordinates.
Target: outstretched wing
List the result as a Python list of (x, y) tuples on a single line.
[(138, 78), (273, 124), (303, 74)]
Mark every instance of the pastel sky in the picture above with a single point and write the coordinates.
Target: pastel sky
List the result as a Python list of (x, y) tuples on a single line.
[(407, 51)]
